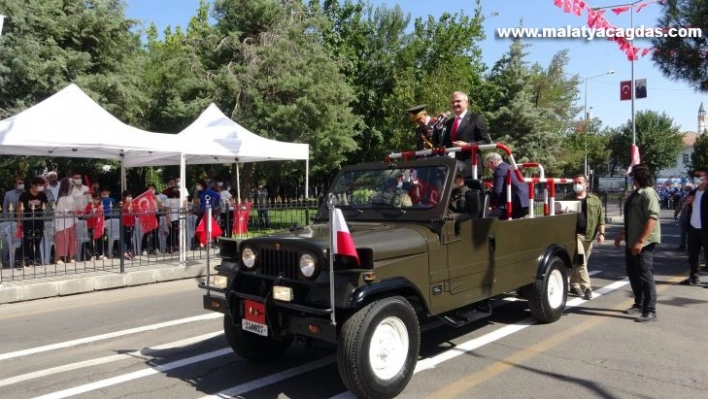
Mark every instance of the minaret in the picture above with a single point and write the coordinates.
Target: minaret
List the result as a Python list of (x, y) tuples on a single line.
[(701, 119)]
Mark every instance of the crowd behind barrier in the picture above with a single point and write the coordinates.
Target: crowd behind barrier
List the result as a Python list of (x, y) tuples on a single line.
[(160, 245)]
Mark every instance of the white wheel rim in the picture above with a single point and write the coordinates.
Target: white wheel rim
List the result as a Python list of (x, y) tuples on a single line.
[(389, 348), (555, 290)]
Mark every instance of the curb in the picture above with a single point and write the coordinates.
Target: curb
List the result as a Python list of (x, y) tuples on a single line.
[(29, 291)]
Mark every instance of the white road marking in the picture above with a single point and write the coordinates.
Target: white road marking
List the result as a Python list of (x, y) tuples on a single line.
[(106, 359), (475, 343), (422, 365), (135, 375), (95, 338), (271, 379)]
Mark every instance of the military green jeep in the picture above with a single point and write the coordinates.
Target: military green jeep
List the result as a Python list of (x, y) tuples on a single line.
[(417, 262)]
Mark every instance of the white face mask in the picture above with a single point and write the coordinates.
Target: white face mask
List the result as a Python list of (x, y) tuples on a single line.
[(20, 187), (128, 198), (40, 188), (104, 196), (77, 182), (400, 184), (697, 181), (578, 188), (200, 188)]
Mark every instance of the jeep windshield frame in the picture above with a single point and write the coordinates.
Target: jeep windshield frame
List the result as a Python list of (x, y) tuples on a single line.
[(416, 190)]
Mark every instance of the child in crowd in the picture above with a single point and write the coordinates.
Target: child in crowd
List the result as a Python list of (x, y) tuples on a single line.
[(129, 213), (95, 222)]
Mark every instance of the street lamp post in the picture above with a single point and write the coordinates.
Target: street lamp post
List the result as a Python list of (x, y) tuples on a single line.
[(631, 26), (585, 117)]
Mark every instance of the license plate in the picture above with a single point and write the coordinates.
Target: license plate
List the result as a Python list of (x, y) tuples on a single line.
[(256, 328)]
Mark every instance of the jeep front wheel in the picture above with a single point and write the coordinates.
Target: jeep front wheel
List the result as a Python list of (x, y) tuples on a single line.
[(250, 346), (547, 299), (378, 348)]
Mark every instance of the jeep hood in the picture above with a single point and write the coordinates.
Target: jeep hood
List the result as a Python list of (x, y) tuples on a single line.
[(387, 240)]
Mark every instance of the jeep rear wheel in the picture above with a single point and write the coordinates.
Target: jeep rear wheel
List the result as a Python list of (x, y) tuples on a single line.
[(251, 346), (378, 348), (547, 301)]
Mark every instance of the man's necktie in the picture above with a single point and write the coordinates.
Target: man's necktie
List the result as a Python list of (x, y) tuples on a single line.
[(454, 128)]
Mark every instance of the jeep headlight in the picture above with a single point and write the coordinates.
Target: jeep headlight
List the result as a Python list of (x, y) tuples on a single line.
[(308, 264), (248, 257)]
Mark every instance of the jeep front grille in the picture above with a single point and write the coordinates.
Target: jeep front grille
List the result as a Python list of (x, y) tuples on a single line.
[(274, 262)]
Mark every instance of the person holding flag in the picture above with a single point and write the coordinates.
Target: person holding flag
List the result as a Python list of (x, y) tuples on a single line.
[(95, 222)]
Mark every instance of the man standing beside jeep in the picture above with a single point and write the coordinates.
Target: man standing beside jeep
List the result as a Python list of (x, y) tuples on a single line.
[(591, 226)]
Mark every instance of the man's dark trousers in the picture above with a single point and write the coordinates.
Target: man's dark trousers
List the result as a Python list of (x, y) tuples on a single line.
[(697, 239), (640, 270)]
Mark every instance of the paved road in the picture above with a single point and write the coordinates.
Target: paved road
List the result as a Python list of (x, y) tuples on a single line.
[(156, 341)]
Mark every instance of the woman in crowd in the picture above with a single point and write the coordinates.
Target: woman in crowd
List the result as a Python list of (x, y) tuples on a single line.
[(65, 224), (95, 222)]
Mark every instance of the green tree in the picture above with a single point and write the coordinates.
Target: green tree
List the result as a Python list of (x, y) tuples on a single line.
[(392, 69), (281, 80), (47, 44), (530, 107), (699, 157), (682, 58), (658, 139)]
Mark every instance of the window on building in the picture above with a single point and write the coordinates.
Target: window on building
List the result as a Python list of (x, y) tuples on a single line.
[(685, 159)]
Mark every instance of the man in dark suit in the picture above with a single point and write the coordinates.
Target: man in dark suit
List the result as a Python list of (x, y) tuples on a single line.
[(464, 129), (519, 189), (697, 206)]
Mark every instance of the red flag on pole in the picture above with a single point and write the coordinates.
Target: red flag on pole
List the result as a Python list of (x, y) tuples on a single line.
[(635, 158), (635, 155), (341, 238), (201, 231), (625, 90), (145, 204)]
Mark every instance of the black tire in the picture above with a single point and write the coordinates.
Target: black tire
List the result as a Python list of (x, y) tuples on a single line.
[(253, 347), (385, 321), (547, 299)]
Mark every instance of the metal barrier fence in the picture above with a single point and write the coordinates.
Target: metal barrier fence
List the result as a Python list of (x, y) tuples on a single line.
[(29, 244)]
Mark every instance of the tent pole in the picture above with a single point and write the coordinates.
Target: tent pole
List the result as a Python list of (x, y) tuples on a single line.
[(183, 209), (238, 185), (122, 177), (307, 178)]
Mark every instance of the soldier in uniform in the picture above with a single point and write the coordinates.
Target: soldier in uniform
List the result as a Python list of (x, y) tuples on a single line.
[(424, 127), (393, 193)]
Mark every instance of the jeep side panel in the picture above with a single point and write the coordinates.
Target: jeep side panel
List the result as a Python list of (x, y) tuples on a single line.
[(491, 256)]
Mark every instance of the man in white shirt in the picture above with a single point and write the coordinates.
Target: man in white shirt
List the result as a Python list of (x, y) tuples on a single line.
[(80, 192), (53, 185)]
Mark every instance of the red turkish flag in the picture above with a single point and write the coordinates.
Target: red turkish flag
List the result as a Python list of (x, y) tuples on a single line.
[(620, 10), (578, 7), (558, 3), (201, 231), (341, 238), (625, 90), (145, 204), (568, 6)]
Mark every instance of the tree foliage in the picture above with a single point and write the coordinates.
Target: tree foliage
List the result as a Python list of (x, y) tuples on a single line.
[(658, 139), (336, 74), (699, 157), (682, 58), (530, 107)]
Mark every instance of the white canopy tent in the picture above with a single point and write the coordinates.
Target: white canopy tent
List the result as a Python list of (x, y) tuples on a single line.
[(215, 138), (71, 124)]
